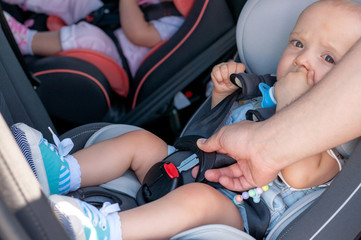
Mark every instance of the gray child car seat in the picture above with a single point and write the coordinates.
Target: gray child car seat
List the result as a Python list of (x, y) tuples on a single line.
[(262, 33)]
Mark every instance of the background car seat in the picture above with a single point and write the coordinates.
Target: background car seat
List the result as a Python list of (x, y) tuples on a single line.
[(335, 215), (74, 92)]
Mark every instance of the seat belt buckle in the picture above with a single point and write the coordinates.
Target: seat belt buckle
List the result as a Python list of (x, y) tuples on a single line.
[(165, 176), (161, 178)]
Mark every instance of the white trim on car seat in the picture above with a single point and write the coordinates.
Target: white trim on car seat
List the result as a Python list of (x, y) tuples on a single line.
[(336, 212)]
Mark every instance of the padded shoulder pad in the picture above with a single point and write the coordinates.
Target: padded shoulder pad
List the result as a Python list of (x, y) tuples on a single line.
[(249, 83), (260, 114)]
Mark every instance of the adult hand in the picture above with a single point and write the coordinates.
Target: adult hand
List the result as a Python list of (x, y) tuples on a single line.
[(237, 141)]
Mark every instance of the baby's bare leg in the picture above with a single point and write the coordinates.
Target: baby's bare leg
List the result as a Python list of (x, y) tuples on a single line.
[(186, 207), (108, 160), (46, 43)]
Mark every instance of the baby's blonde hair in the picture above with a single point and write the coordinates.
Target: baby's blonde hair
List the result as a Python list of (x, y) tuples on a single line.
[(350, 5)]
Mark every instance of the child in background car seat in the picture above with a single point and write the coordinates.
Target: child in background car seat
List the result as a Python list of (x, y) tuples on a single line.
[(136, 36), (316, 44)]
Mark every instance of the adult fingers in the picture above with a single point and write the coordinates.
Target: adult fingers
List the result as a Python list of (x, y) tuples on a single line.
[(211, 144)]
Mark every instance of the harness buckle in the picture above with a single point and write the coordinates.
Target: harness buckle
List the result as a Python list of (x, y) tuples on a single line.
[(171, 170)]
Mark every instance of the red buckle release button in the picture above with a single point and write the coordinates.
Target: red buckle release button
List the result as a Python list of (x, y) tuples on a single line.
[(89, 18), (171, 170)]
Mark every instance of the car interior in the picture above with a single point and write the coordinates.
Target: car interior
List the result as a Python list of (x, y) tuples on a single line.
[(108, 93), (256, 29)]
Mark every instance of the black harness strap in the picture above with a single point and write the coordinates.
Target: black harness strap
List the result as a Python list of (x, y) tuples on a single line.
[(107, 16), (110, 33), (208, 121), (156, 11)]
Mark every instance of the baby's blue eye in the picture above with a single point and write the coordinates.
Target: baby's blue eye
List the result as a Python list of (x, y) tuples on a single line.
[(328, 59), (297, 43)]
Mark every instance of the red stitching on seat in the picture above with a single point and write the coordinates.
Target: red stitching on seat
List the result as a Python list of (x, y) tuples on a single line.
[(113, 72), (169, 54)]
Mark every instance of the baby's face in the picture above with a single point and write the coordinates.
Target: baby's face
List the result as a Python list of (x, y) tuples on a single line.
[(321, 37)]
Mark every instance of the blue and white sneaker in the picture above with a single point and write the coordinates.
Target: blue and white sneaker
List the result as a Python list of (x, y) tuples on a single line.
[(46, 160), (84, 221)]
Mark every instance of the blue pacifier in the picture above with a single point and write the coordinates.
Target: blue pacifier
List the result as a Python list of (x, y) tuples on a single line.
[(268, 95)]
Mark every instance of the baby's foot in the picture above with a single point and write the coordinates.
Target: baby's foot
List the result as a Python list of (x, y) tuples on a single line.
[(84, 221), (23, 36), (50, 167)]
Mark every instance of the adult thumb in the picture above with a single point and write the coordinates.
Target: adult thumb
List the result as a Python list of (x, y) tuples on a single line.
[(207, 145)]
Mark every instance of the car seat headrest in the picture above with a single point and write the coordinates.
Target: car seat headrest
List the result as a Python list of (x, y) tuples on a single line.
[(184, 6), (263, 30)]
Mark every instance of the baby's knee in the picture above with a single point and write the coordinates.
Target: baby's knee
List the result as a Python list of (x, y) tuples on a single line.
[(201, 196), (209, 206), (146, 145), (143, 137)]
